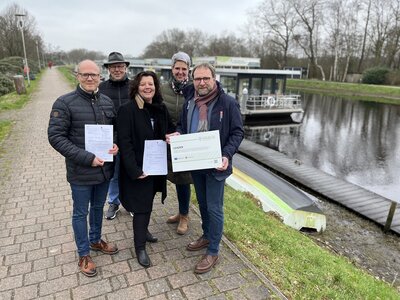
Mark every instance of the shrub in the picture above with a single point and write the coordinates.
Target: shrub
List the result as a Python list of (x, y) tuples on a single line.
[(6, 85), (375, 75), (393, 78), (14, 60), (9, 69)]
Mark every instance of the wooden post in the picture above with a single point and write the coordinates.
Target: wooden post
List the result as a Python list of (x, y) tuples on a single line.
[(19, 84), (390, 216)]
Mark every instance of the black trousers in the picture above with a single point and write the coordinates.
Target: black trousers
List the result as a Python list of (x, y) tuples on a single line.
[(140, 227)]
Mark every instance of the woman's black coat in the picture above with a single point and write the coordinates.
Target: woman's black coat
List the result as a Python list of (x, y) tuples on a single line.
[(133, 128)]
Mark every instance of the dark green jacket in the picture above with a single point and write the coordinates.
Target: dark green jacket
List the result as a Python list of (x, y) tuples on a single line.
[(174, 103)]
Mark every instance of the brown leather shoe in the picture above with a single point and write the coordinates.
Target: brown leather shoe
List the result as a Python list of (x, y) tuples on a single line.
[(87, 266), (198, 244), (104, 247), (183, 225), (206, 263), (174, 219)]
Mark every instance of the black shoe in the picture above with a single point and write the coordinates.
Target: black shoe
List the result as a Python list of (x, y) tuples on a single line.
[(143, 258), (150, 238), (112, 211)]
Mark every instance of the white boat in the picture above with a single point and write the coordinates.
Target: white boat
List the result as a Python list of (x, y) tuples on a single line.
[(261, 92)]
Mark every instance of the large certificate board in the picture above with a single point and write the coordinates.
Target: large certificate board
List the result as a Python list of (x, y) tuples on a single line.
[(196, 151)]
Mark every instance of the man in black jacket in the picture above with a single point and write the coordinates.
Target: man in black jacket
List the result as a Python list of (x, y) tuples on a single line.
[(117, 88), (88, 175)]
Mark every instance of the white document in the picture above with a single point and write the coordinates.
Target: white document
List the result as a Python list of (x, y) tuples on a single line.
[(99, 140), (155, 157), (196, 151)]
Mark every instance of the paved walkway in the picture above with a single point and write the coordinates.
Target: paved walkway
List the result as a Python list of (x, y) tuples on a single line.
[(37, 249)]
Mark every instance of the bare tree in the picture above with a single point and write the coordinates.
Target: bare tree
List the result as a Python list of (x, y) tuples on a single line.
[(335, 32), (227, 44), (393, 43), (195, 42), (367, 18), (342, 35), (277, 19), (256, 40), (10, 34), (380, 21), (310, 14), (77, 55), (166, 43), (351, 37)]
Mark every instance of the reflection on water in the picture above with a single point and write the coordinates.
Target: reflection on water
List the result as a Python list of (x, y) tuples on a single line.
[(354, 140), (270, 136)]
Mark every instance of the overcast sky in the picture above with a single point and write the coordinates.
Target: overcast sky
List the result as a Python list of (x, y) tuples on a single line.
[(129, 26)]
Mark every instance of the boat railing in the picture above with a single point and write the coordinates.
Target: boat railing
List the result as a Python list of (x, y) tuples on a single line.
[(270, 102)]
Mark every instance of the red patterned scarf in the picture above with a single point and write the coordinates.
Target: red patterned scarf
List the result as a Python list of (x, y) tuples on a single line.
[(202, 103)]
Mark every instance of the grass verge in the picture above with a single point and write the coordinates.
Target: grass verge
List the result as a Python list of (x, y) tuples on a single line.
[(298, 267), (12, 101), (68, 72), (15, 101), (366, 92), (5, 127)]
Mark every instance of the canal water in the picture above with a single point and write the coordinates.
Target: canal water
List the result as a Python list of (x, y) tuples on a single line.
[(357, 141)]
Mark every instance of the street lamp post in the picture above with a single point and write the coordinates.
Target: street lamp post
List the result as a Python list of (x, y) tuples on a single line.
[(38, 56), (21, 26)]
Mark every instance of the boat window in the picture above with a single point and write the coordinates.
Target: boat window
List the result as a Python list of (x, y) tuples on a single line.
[(255, 86), (229, 85), (243, 83), (267, 86), (279, 86)]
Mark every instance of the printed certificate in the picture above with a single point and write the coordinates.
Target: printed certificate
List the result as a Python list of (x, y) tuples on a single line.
[(99, 140), (155, 157), (196, 151)]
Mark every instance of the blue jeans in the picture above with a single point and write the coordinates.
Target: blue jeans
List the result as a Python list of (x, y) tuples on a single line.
[(113, 190), (210, 196), (83, 196), (183, 194)]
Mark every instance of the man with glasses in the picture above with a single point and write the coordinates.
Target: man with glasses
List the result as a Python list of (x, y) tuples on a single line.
[(207, 108), (88, 175), (117, 88)]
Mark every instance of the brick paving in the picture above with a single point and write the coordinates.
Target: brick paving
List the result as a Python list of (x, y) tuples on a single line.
[(37, 249)]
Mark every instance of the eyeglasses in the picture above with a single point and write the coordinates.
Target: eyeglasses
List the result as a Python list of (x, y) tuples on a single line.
[(205, 79), (86, 75), (114, 67)]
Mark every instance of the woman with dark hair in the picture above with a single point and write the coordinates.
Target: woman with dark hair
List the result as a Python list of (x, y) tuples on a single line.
[(145, 117)]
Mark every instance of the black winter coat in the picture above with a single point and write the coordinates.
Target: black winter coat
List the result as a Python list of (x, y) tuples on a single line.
[(133, 128), (117, 91), (66, 134)]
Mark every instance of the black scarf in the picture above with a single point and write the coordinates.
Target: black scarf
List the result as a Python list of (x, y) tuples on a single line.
[(178, 86)]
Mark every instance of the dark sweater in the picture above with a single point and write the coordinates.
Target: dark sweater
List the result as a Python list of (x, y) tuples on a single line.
[(118, 91)]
